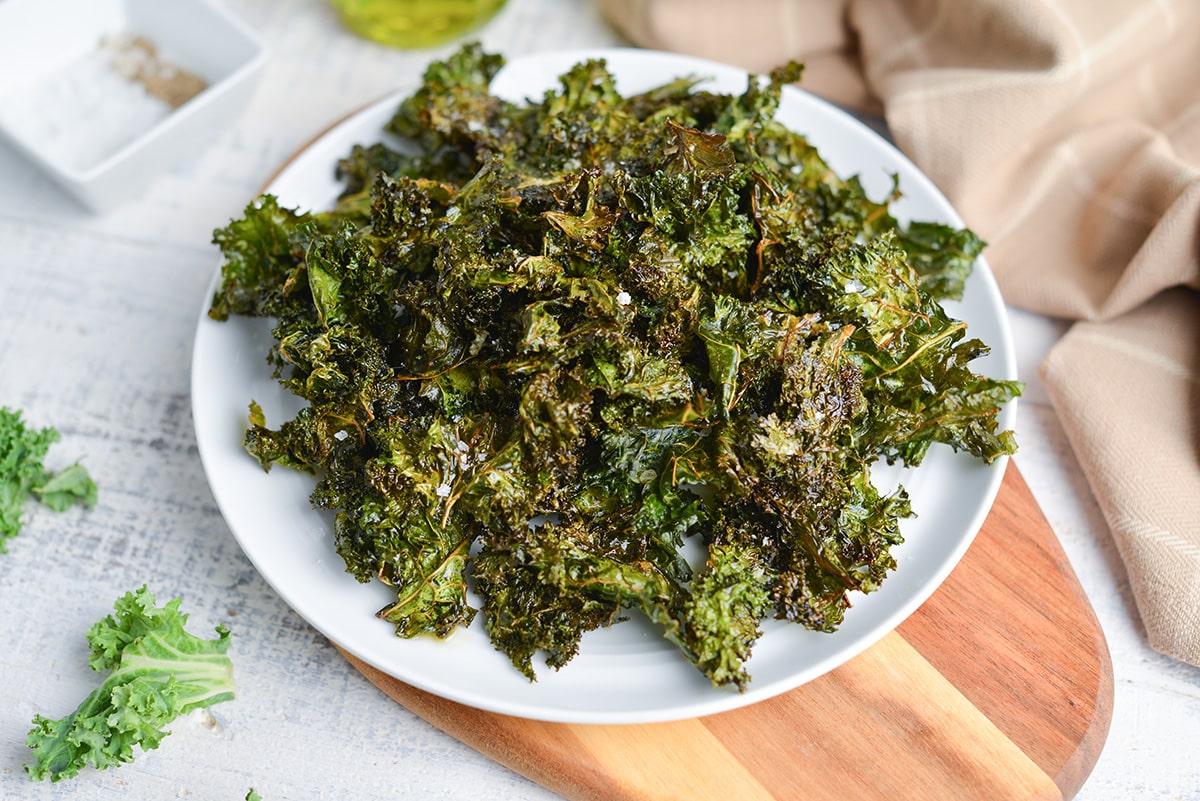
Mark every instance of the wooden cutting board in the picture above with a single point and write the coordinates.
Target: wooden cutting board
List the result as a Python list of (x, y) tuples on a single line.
[(999, 687)]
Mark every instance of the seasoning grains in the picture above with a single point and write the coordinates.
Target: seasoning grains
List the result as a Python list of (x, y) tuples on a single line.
[(137, 60)]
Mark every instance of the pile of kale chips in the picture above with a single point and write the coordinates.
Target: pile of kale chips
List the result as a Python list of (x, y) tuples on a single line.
[(639, 319)]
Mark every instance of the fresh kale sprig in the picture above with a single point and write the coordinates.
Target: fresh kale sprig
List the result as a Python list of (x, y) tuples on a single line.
[(22, 474), (633, 320), (154, 672)]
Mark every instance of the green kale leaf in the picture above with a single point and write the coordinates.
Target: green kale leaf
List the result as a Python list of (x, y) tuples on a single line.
[(155, 672), (22, 474)]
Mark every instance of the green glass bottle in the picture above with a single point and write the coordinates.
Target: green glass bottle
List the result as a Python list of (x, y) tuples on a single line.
[(414, 24)]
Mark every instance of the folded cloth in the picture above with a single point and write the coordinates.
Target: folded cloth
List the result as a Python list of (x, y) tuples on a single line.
[(1140, 453), (1067, 134)]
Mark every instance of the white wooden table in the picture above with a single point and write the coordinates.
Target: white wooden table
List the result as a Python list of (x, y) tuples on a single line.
[(97, 315)]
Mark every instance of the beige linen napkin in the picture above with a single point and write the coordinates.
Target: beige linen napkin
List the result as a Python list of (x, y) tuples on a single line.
[(1067, 133)]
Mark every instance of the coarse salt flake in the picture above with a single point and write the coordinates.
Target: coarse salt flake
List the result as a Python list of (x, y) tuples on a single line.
[(443, 490), (624, 298)]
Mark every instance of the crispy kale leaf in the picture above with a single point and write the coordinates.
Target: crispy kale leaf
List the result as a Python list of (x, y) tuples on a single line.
[(155, 672), (549, 344), (22, 475)]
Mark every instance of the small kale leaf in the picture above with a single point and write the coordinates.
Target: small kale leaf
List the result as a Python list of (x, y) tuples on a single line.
[(157, 671), (22, 450)]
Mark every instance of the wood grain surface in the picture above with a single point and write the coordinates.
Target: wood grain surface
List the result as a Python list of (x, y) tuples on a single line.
[(999, 687)]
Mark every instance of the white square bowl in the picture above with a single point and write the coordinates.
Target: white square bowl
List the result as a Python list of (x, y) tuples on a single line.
[(40, 38)]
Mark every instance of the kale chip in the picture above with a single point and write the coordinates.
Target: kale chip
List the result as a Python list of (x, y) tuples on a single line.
[(551, 342)]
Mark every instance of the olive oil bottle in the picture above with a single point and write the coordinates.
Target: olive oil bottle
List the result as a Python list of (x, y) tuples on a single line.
[(415, 24)]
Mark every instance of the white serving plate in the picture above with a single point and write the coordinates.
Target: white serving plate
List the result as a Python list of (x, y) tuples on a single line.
[(626, 673)]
